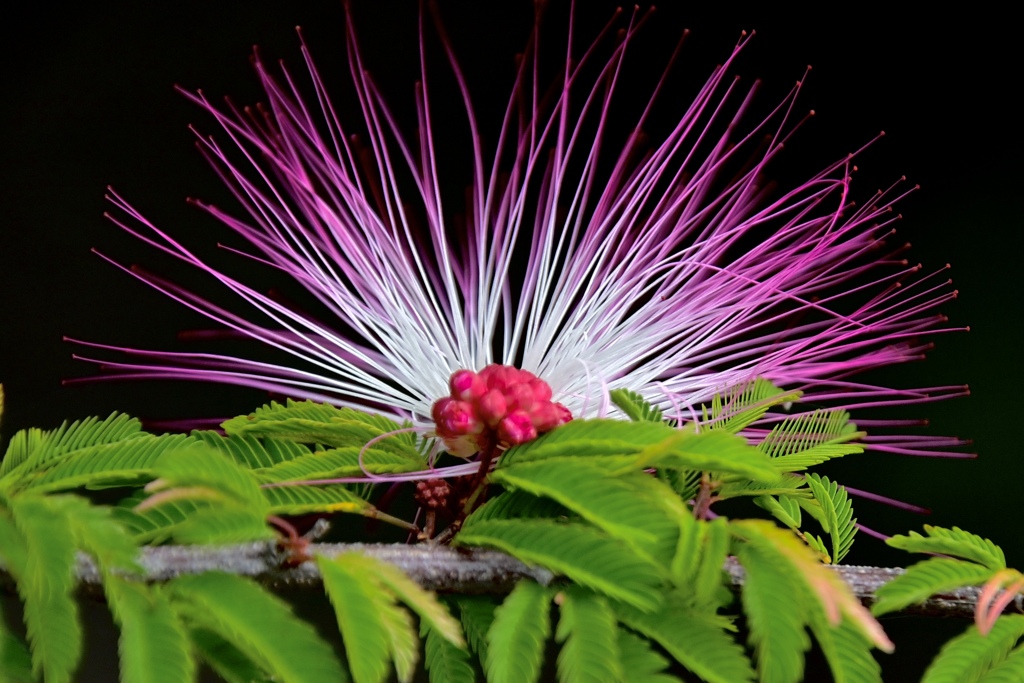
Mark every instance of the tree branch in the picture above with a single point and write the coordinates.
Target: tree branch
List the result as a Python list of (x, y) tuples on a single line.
[(456, 570)]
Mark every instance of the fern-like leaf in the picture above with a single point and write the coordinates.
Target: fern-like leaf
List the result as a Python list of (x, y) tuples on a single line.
[(476, 613), (425, 603), (251, 452), (303, 500), (358, 603), (154, 525), (154, 647), (226, 660), (128, 462), (445, 663), (776, 616), (588, 632), (15, 660), (45, 582), (716, 450), (967, 657), (924, 579), (321, 423), (621, 506), (402, 640), (838, 514), (591, 438), (707, 587), (1010, 670), (956, 542), (830, 594), (238, 610), (809, 439), (847, 651), (635, 406), (33, 448), (696, 640), (745, 405), (579, 552), (342, 462), (222, 524), (516, 639), (518, 505), (784, 509), (207, 468), (640, 660)]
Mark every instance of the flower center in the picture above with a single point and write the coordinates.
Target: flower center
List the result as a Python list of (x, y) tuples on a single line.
[(498, 405)]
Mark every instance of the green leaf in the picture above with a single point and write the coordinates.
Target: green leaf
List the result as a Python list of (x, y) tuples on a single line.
[(321, 423), (624, 507), (402, 640), (967, 657), (784, 509), (98, 533), (156, 524), (225, 659), (45, 585), (303, 500), (588, 632), (207, 468), (776, 613), (446, 663), (1010, 670), (32, 448), (358, 603), (805, 440), (222, 524), (924, 579), (342, 462), (128, 462), (15, 661), (708, 589), (591, 438), (956, 542), (238, 610), (639, 659), (476, 612), (719, 451), (425, 603), (744, 405), (847, 651), (518, 505), (153, 645), (251, 452), (838, 514), (516, 639), (696, 640), (825, 590), (579, 552), (635, 406)]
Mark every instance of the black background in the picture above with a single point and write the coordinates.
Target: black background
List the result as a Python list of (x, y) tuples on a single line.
[(88, 101)]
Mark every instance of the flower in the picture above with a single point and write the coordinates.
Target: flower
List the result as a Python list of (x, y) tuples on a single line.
[(670, 269)]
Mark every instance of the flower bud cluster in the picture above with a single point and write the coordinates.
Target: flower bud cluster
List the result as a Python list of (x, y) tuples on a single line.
[(498, 405)]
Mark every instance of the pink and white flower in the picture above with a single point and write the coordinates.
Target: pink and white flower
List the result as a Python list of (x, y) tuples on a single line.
[(667, 268)]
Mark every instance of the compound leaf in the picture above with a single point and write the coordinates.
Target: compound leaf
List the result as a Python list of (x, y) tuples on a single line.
[(516, 639), (924, 579), (967, 657)]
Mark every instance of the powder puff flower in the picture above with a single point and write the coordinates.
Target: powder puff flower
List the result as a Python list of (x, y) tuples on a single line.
[(666, 267)]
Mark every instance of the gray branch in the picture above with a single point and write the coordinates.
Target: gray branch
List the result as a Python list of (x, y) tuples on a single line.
[(455, 570)]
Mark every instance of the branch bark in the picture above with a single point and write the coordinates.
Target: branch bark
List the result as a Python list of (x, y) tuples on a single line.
[(455, 570)]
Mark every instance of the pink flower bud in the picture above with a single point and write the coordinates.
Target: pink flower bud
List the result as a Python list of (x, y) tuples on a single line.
[(492, 407), (466, 385), (521, 397), (516, 428)]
